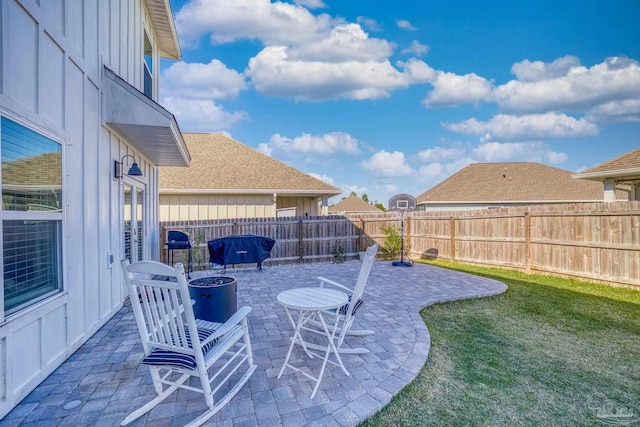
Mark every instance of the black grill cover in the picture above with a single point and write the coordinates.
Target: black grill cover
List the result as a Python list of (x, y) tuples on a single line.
[(240, 249)]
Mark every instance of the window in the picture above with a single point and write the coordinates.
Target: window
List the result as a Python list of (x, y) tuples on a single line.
[(148, 67), (31, 215)]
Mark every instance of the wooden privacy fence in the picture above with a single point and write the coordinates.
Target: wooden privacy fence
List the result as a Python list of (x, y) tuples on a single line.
[(595, 241), (298, 239)]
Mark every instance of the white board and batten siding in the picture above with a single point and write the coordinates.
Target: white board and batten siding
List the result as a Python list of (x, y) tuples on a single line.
[(53, 53)]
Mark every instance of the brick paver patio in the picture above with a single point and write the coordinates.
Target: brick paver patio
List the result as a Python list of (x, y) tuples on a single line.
[(103, 381)]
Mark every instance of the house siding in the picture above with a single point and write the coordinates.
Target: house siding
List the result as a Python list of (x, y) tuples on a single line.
[(192, 207), (53, 55)]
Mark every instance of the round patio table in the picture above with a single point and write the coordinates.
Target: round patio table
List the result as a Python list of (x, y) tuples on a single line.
[(310, 303)]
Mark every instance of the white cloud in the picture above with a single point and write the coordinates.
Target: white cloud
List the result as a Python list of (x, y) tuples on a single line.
[(528, 71), (405, 25), (368, 23), (578, 89), (203, 81), (202, 115), (452, 90), (387, 164), (329, 143), (437, 154), (534, 151), (555, 158), (265, 149), (347, 189), (438, 171), (307, 57), (348, 42), (522, 128), (627, 110), (274, 73), (229, 20), (390, 188), (311, 4), (323, 178), (416, 48)]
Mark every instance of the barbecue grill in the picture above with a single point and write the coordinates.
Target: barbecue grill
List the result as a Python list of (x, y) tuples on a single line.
[(240, 249), (177, 240)]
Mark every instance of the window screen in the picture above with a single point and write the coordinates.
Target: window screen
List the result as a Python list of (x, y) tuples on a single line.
[(31, 261), (31, 215)]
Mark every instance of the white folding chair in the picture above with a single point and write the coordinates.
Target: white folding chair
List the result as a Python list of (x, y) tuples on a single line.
[(162, 308), (348, 311)]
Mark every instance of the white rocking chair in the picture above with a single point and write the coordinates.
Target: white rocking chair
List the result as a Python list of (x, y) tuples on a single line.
[(348, 311), (162, 308)]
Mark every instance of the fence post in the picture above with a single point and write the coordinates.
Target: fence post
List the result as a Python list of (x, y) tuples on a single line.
[(361, 236), (527, 242), (301, 241), (234, 228), (407, 237), (452, 249)]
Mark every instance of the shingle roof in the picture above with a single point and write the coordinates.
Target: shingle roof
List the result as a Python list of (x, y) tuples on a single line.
[(221, 164), (626, 166), (40, 170), (353, 204), (512, 182)]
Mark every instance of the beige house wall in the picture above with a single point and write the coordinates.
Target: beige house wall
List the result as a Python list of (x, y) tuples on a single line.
[(191, 207), (305, 206)]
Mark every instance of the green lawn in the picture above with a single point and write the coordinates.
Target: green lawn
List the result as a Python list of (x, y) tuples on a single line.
[(549, 351)]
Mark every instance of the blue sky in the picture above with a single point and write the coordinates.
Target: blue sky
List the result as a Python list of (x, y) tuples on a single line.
[(383, 97)]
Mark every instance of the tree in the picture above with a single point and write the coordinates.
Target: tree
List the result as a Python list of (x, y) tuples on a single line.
[(380, 206), (365, 197), (353, 193)]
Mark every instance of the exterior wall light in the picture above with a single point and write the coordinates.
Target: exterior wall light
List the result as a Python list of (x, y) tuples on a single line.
[(134, 170)]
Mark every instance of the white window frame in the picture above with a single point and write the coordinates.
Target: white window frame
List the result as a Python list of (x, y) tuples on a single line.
[(57, 216), (146, 35)]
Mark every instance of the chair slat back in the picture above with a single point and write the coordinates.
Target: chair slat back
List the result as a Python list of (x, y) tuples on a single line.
[(363, 276), (161, 305)]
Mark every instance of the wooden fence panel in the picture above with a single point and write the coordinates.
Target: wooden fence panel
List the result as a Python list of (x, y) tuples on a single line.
[(599, 244), (430, 237), (595, 241)]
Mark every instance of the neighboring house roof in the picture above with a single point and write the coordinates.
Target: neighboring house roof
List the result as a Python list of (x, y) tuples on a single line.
[(39, 171), (623, 168), (220, 164), (353, 204), (512, 182), (165, 28)]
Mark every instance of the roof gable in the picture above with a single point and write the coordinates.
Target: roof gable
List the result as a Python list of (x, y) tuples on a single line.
[(353, 204), (512, 182), (624, 167), (221, 164)]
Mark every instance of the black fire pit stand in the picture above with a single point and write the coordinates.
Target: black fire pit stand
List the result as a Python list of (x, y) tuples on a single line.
[(216, 298)]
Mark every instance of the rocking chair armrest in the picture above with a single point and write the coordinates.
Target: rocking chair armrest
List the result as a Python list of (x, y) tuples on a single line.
[(234, 320), (331, 282)]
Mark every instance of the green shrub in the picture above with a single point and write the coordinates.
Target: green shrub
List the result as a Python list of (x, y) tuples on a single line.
[(392, 244), (338, 253)]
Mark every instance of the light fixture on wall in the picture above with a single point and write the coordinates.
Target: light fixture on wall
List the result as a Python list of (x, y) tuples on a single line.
[(134, 170)]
